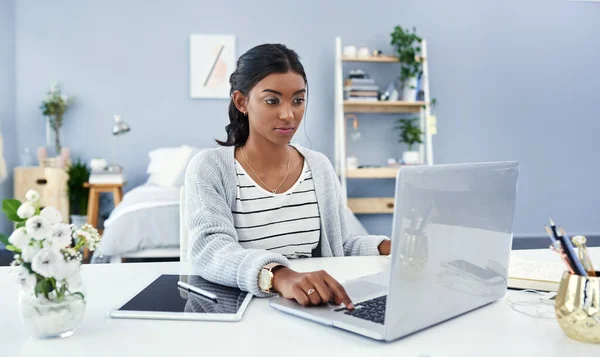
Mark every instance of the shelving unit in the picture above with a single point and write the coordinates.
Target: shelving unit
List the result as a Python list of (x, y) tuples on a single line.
[(375, 205)]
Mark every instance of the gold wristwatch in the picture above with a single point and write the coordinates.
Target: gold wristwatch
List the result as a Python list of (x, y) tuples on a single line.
[(265, 277)]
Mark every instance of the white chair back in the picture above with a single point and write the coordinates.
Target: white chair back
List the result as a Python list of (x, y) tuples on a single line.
[(183, 232)]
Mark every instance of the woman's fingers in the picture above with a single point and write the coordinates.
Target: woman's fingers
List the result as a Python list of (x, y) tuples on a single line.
[(340, 295), (311, 292), (322, 289), (300, 296)]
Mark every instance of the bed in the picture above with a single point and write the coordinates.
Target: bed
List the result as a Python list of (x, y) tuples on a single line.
[(144, 225)]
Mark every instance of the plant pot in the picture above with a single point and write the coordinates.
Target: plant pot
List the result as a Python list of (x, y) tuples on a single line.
[(411, 157), (49, 319), (78, 220), (409, 90)]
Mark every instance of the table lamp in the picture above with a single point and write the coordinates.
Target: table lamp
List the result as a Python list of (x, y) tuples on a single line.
[(119, 128)]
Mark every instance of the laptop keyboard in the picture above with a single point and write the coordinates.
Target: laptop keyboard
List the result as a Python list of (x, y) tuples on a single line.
[(372, 310)]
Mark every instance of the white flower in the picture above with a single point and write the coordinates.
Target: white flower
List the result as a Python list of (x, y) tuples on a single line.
[(19, 238), (29, 252), (25, 278), (52, 215), (25, 210), (60, 235), (66, 269), (38, 227), (32, 196), (47, 262)]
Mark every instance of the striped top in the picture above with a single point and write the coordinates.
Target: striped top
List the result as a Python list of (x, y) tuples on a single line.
[(287, 223)]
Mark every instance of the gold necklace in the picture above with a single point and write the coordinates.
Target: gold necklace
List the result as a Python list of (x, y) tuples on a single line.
[(287, 171)]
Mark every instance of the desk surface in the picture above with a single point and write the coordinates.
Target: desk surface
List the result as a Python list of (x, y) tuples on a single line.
[(495, 330)]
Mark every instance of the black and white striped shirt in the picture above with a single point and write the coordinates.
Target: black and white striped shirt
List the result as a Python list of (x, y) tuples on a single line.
[(287, 223)]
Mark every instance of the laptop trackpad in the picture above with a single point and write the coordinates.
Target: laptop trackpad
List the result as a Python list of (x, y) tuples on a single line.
[(360, 290)]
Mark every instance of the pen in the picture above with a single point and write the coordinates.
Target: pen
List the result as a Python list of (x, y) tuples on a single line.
[(584, 255), (570, 252), (558, 249), (197, 290)]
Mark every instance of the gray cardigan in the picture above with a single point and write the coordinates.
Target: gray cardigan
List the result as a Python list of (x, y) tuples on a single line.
[(214, 251)]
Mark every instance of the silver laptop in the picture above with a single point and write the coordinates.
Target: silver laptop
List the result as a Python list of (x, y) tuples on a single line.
[(451, 240)]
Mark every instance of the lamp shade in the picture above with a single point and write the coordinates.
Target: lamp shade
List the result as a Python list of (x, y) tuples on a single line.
[(120, 127)]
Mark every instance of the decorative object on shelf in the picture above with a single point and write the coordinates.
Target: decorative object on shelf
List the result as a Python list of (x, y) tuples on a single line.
[(363, 52), (212, 60), (408, 50), (98, 164), (377, 53), (352, 162), (26, 158), (54, 105), (119, 128), (410, 134), (47, 264), (79, 174), (355, 133), (350, 51)]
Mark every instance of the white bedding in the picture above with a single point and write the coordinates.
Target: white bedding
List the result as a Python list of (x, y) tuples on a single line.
[(147, 218)]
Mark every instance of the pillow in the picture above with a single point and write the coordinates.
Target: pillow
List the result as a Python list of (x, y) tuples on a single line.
[(167, 165)]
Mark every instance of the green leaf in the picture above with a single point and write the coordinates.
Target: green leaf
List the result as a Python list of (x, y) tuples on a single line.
[(43, 287), (12, 248), (20, 224), (10, 207), (80, 294), (4, 239)]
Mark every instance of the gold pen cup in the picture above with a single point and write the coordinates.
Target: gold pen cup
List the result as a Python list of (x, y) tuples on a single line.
[(577, 307)]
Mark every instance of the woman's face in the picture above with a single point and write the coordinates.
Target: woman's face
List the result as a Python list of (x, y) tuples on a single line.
[(275, 107)]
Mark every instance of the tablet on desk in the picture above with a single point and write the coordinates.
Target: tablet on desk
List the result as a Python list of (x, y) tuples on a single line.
[(198, 299)]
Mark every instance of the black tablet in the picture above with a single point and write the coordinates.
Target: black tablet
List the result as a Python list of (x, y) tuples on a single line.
[(185, 297)]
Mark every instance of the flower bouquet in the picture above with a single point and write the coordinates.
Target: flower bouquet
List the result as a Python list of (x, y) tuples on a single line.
[(47, 262)]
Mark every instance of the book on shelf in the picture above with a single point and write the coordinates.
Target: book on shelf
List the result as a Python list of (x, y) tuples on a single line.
[(536, 275), (362, 99), (106, 177)]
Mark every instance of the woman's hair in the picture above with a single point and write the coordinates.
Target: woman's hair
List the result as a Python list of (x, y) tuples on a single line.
[(252, 67)]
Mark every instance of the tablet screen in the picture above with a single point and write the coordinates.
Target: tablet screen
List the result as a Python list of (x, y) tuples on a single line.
[(164, 295)]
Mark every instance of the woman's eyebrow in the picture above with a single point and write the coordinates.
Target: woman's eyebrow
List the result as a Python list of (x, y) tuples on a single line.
[(279, 93)]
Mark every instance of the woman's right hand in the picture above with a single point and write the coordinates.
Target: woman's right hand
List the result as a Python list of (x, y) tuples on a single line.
[(294, 285)]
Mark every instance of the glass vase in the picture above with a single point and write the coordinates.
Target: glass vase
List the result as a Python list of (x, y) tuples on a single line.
[(54, 136), (45, 318)]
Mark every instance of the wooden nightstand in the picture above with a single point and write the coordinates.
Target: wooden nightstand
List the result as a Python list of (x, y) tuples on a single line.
[(49, 182), (94, 198)]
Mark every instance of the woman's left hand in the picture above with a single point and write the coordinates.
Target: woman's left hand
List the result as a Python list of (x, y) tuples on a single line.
[(385, 247)]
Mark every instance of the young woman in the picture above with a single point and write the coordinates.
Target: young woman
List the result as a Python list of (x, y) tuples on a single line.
[(257, 201)]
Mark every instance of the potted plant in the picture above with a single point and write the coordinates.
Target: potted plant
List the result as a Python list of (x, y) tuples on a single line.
[(79, 173), (46, 265), (408, 51), (54, 105), (410, 134)]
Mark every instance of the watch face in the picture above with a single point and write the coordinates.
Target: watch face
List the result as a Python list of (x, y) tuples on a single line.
[(264, 280)]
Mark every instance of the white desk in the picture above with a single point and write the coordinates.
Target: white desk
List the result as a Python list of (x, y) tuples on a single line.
[(495, 330)]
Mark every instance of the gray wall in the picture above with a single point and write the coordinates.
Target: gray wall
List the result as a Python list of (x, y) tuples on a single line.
[(7, 99), (515, 80)]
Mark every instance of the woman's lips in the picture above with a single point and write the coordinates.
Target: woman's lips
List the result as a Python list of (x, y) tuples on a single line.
[(285, 130)]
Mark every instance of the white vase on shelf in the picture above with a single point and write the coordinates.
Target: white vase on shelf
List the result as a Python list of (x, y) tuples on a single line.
[(410, 157), (409, 90)]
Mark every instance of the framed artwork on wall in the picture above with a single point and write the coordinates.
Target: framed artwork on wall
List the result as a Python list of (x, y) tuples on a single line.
[(212, 60)]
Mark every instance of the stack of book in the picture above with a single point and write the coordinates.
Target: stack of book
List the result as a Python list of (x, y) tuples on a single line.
[(106, 177), (361, 89)]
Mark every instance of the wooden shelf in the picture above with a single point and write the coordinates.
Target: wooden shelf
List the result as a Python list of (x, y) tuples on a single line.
[(382, 107), (378, 59), (379, 172), (374, 205)]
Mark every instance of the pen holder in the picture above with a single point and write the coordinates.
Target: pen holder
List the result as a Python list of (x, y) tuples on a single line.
[(577, 307)]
